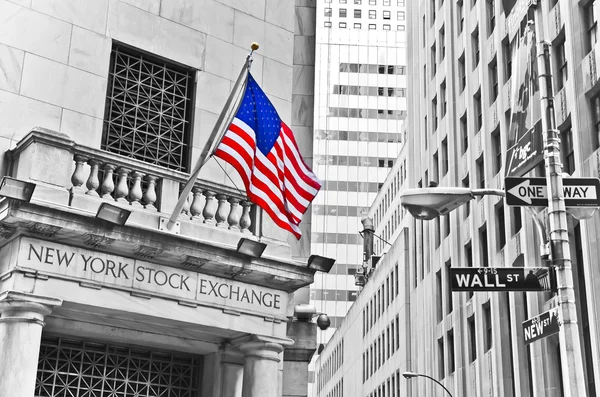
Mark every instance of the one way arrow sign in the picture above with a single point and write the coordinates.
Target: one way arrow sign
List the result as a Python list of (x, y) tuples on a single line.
[(533, 192)]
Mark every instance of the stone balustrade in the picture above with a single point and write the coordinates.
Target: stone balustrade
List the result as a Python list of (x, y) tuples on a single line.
[(148, 187)]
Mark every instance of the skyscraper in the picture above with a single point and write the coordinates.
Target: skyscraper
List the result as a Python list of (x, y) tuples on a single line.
[(360, 105)]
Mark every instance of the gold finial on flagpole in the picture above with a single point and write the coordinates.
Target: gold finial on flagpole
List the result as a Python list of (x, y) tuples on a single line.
[(253, 47)]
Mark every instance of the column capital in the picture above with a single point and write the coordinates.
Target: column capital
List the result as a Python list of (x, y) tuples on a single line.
[(262, 346), (18, 306)]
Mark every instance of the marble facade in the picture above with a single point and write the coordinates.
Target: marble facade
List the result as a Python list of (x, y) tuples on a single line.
[(194, 293)]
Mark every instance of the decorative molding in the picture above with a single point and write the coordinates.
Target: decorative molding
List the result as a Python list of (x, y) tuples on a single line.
[(194, 263), (96, 241), (42, 229), (7, 231), (148, 252)]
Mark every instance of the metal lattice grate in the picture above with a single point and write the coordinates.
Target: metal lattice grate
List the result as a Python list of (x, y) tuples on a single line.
[(70, 368), (148, 110)]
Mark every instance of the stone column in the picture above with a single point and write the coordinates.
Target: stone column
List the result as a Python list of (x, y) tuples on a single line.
[(232, 371), (261, 364), (21, 321)]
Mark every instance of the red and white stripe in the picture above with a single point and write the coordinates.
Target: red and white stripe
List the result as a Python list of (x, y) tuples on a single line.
[(280, 183)]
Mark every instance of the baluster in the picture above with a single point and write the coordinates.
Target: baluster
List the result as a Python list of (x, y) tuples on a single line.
[(135, 193), (149, 198), (245, 220), (108, 185), (196, 207), (78, 177), (186, 206), (210, 208), (221, 215), (122, 190), (234, 213), (93, 182)]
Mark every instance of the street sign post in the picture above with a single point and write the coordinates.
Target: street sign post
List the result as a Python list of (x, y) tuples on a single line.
[(501, 278), (541, 326), (533, 192)]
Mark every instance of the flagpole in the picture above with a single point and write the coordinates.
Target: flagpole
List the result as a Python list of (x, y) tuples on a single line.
[(217, 131)]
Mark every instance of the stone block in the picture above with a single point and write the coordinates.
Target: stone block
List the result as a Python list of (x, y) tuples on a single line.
[(83, 129), (279, 80), (63, 86), (157, 35), (204, 121), (20, 114), (11, 67), (278, 44), (303, 110), (49, 164), (34, 32), (305, 21), (247, 29), (284, 108), (90, 51), (304, 50), (220, 59), (200, 15), (280, 13), (304, 80), (153, 6), (212, 92), (87, 14), (256, 8), (295, 378)]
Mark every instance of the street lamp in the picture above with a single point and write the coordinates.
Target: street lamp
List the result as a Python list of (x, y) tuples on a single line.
[(409, 375)]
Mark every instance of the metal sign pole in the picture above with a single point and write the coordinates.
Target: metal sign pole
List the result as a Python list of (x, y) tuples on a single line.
[(570, 344)]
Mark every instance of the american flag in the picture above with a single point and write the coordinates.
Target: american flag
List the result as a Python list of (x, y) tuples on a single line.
[(264, 152)]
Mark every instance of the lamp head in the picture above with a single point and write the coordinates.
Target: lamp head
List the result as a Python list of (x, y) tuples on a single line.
[(409, 374), (430, 203)]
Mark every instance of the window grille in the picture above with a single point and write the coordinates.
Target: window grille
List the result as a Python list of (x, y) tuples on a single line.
[(148, 109), (88, 369)]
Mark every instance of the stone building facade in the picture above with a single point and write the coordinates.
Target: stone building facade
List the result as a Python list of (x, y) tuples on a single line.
[(111, 102)]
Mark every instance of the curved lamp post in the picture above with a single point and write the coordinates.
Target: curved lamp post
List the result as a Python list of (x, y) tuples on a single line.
[(409, 375)]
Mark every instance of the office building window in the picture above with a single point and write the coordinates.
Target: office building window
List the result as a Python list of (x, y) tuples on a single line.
[(507, 50), (493, 70), (441, 359), (472, 339), (387, 15), (500, 226), (372, 14), (358, 2), (451, 359), (483, 246), (401, 15), (444, 162), (387, 27), (491, 14), (357, 26), (567, 151), (386, 2), (448, 265), (478, 111), (401, 3), (464, 132), (343, 12), (372, 2), (475, 45), (433, 11), (460, 12), (444, 100), (561, 66), (433, 60), (487, 323), (462, 73), (372, 26), (591, 26), (438, 288), (516, 223), (357, 13), (327, 12), (401, 27), (442, 43), (497, 150), (342, 25), (149, 109), (434, 114), (327, 24), (596, 119)]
